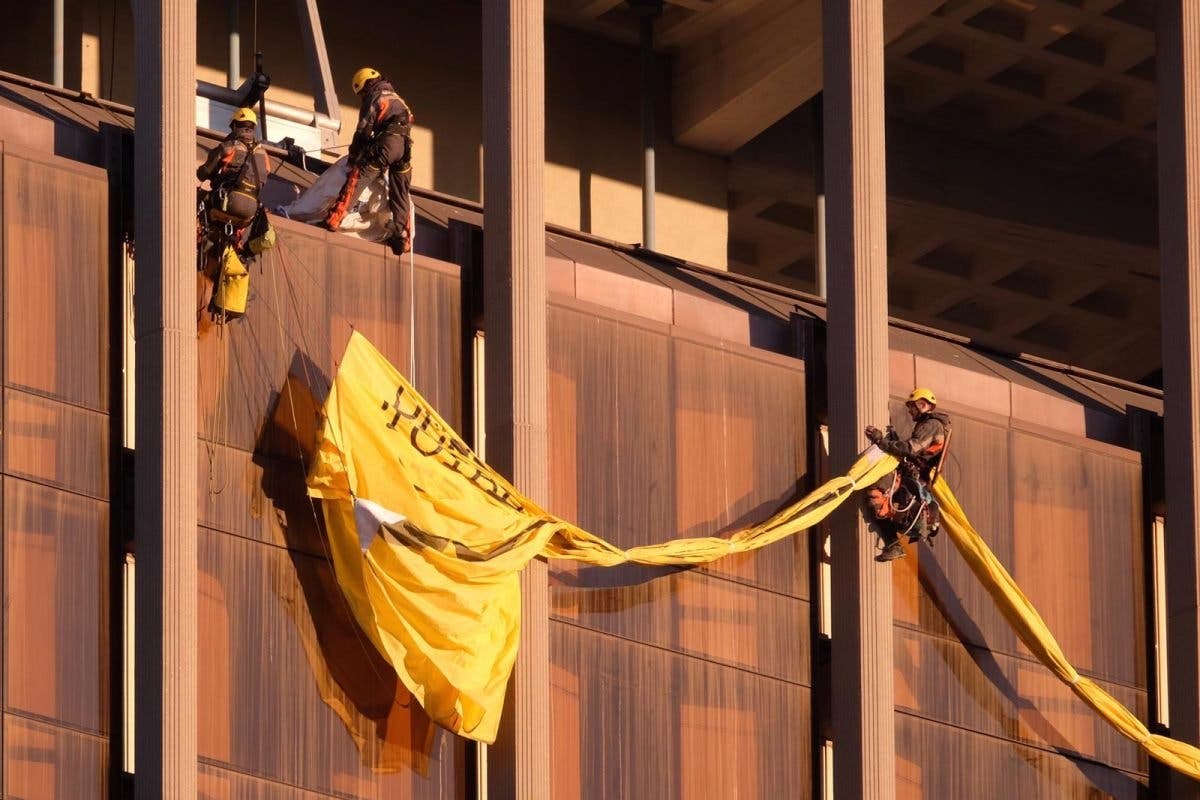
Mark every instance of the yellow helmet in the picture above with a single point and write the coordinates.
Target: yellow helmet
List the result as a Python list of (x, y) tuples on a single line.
[(361, 77), (922, 394), (244, 115)]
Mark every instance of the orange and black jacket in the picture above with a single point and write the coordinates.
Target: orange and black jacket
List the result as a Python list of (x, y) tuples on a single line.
[(383, 113), (238, 164), (927, 441)]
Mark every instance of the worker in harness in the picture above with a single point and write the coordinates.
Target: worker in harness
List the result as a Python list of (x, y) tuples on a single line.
[(920, 456), (382, 144), (236, 170)]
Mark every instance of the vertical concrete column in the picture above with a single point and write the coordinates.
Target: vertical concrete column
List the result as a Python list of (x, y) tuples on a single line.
[(165, 331), (514, 247), (1179, 243), (856, 253)]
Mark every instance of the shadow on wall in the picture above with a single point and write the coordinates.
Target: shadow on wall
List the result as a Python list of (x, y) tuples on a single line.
[(936, 586), (390, 729), (43, 125)]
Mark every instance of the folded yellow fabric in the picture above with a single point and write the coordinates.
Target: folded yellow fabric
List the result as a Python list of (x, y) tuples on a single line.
[(427, 540)]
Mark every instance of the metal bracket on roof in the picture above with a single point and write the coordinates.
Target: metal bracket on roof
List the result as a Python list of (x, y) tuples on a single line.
[(324, 95)]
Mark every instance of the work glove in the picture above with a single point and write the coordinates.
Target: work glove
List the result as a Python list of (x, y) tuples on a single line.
[(874, 435)]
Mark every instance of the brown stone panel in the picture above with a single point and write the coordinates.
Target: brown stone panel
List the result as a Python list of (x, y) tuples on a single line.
[(312, 291), (51, 442), (626, 466), (56, 615), (1055, 530), (619, 476), (935, 761), (367, 290), (1114, 548), (739, 456), (693, 613), (975, 689), (55, 238), (217, 783), (46, 762), (438, 375), (291, 692), (658, 724), (774, 453)]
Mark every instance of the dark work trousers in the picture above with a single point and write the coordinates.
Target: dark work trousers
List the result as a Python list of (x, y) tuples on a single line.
[(391, 152)]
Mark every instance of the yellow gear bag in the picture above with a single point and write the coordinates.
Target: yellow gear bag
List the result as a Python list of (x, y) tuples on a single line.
[(232, 287), (262, 234), (260, 244)]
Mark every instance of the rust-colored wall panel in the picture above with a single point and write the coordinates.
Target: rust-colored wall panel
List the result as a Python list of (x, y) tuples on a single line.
[(56, 619), (55, 443), (438, 375), (46, 762), (311, 294), (1078, 556), (258, 497), (1050, 514), (367, 289), (245, 363), (275, 638), (1007, 697), (293, 692), (935, 761), (628, 467), (740, 452), (1114, 547), (55, 237), (215, 783), (690, 612), (633, 720), (658, 676)]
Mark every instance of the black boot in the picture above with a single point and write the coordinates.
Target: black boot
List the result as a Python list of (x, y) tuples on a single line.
[(891, 552), (397, 240)]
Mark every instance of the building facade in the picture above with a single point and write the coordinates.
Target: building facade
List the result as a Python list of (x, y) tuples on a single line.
[(684, 395)]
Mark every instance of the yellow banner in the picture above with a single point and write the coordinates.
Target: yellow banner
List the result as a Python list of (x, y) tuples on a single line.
[(427, 540)]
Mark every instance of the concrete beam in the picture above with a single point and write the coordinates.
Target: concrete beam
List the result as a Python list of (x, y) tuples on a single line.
[(165, 334), (856, 252), (1179, 238), (736, 82), (516, 376)]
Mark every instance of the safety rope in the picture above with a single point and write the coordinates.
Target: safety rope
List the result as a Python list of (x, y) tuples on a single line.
[(412, 303), (220, 423)]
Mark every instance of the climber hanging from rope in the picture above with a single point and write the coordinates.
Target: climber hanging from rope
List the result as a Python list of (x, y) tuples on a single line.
[(382, 147), (236, 170), (903, 504)]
